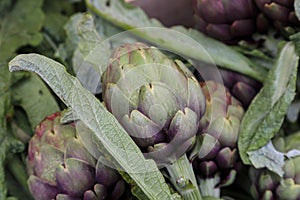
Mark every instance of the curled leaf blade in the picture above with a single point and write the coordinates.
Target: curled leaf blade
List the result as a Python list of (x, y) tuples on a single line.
[(267, 110)]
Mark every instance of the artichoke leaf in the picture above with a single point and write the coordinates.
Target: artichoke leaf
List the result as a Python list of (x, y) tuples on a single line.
[(268, 157), (267, 110)]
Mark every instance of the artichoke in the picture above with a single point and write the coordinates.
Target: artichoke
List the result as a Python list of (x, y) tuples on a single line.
[(268, 185), (157, 100), (61, 168), (241, 87), (281, 13), (227, 20), (168, 12), (215, 155)]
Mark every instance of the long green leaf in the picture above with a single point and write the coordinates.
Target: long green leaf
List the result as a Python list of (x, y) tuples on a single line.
[(186, 42), (93, 114), (8, 143), (4, 105), (266, 112)]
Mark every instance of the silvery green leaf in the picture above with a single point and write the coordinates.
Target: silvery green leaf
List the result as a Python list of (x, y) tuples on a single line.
[(65, 50), (292, 153), (268, 157), (90, 57)]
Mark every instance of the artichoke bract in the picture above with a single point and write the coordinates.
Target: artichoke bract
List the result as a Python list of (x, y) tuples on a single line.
[(157, 100), (281, 13), (215, 154), (61, 168), (227, 20), (268, 185)]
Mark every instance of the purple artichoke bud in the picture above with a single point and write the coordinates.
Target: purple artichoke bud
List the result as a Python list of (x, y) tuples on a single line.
[(215, 151), (266, 183), (157, 100), (227, 20), (281, 13), (241, 87), (61, 168), (168, 12)]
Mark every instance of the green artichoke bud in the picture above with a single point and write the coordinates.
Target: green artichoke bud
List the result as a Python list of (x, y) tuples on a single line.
[(157, 100), (268, 185), (61, 168), (281, 13), (228, 20), (215, 153)]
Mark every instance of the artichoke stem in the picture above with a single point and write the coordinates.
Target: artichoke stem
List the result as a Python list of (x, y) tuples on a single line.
[(208, 187), (183, 179), (17, 169)]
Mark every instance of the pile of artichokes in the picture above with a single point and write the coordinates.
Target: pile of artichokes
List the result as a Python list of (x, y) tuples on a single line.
[(165, 118), (230, 21), (187, 127)]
